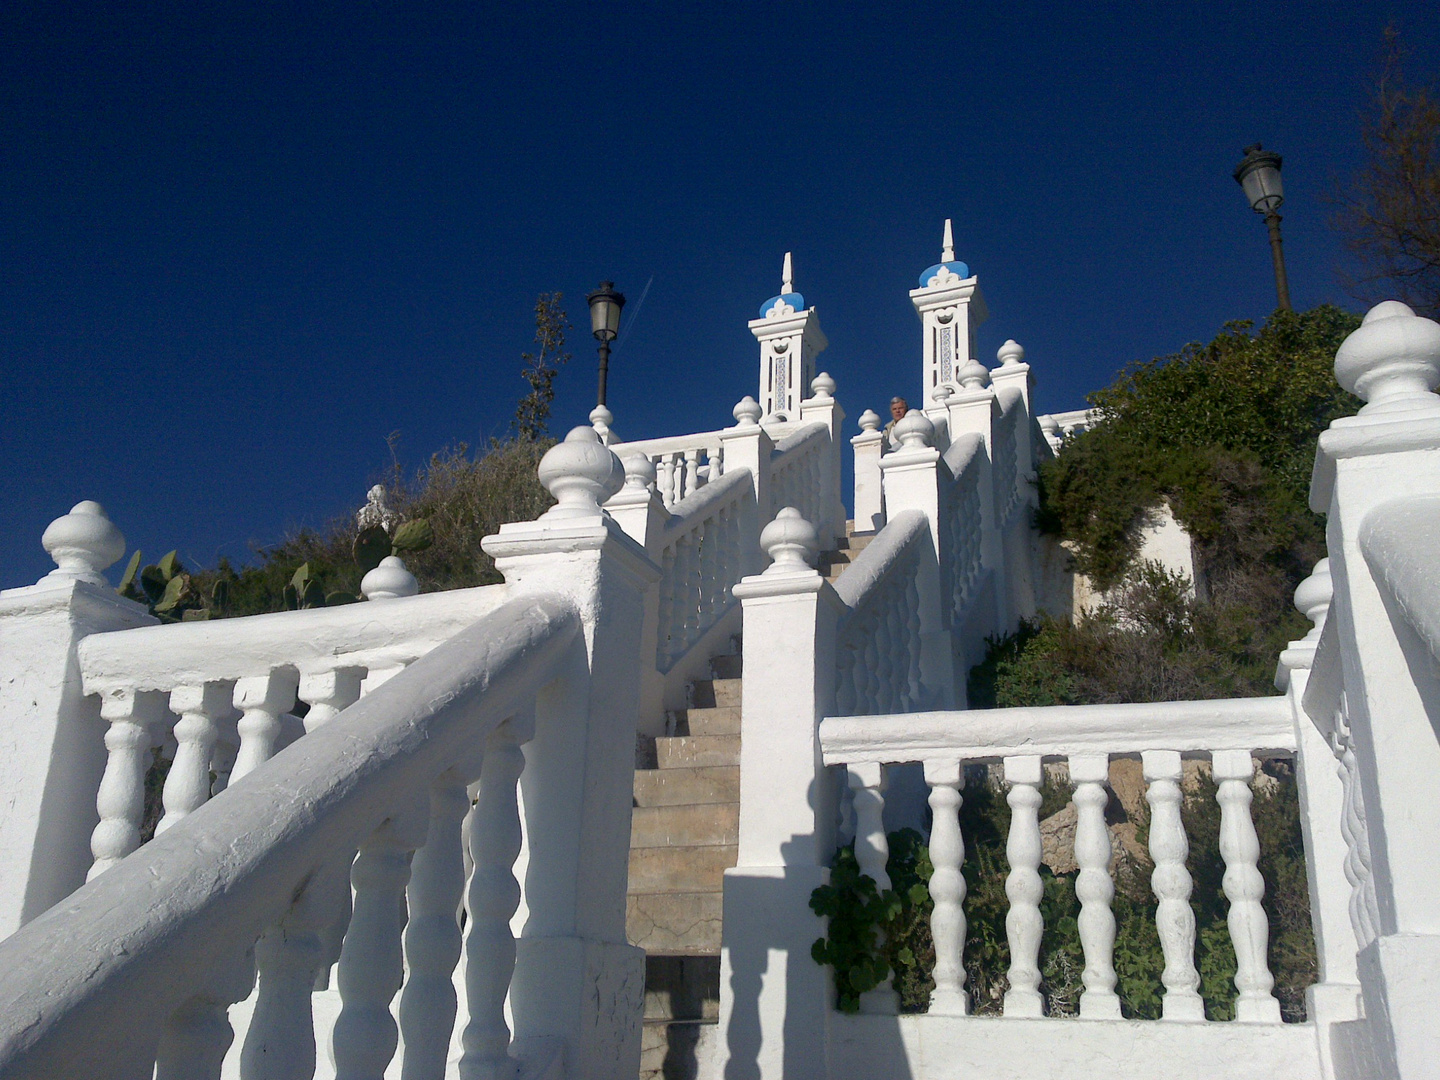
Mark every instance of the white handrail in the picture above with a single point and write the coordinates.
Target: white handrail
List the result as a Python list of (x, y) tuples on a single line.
[(879, 559), (85, 988), (669, 444), (978, 735), (813, 432), (1402, 546), (693, 509)]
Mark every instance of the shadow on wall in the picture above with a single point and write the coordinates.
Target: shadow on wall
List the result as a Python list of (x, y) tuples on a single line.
[(776, 986)]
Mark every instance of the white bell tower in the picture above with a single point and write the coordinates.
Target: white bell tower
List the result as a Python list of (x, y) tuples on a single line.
[(790, 338), (950, 308)]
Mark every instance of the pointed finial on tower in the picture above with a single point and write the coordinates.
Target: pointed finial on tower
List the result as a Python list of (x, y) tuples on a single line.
[(786, 277), (947, 246)]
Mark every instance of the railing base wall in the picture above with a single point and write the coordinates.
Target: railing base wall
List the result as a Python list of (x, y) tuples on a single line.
[(935, 1047)]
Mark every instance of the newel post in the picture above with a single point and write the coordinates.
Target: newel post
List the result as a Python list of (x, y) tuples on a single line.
[(975, 410), (1389, 452), (824, 408), (748, 446), (869, 445), (52, 737), (913, 475), (773, 996), (576, 978)]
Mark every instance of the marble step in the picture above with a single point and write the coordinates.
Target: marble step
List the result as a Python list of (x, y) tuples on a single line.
[(687, 751), (726, 667), (721, 721), (675, 924), (713, 693), (680, 869), (674, 787), (695, 825)]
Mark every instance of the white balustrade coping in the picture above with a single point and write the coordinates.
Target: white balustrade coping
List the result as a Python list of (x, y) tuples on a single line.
[(671, 444), (963, 453), (691, 511), (1074, 418), (1257, 725), (372, 634), (131, 946), (890, 546), (804, 436)]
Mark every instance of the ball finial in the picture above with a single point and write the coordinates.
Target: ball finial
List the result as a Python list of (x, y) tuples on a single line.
[(790, 541), (83, 542), (942, 393), (973, 375), (581, 473), (1010, 354), (600, 419), (639, 472), (747, 412), (823, 387), (869, 420), (1393, 361), (389, 580), (914, 431), (1313, 596)]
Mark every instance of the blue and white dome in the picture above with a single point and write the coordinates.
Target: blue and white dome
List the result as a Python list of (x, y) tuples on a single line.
[(959, 269), (794, 299)]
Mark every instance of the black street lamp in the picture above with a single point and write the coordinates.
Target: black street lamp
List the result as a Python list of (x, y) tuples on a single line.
[(1259, 174), (605, 304)]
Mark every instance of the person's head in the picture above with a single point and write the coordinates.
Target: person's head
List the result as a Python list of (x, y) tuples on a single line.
[(898, 408)]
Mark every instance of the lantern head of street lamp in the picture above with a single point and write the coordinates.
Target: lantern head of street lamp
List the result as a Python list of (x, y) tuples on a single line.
[(605, 304), (1259, 174)]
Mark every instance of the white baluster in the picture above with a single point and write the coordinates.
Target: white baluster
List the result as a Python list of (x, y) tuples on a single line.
[(261, 699), (692, 471), (195, 1037), (494, 895), (201, 709), (280, 1043), (1093, 887), (1024, 925), (1244, 887), (120, 800), (328, 692), (371, 965), (379, 676), (947, 887), (667, 480), (432, 937), (1364, 918), (1174, 919), (872, 851)]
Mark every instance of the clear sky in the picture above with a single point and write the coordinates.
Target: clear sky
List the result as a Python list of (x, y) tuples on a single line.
[(241, 244)]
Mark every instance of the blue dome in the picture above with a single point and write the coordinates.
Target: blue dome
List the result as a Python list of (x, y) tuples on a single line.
[(959, 269), (794, 299)]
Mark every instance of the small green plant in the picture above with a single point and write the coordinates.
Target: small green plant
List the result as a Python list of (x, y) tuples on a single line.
[(170, 593), (854, 945), (371, 545)]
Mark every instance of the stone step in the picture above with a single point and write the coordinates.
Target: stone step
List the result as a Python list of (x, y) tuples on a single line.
[(726, 667), (702, 825), (680, 869), (674, 924), (712, 693), (723, 721), (685, 751), (682, 987), (675, 787)]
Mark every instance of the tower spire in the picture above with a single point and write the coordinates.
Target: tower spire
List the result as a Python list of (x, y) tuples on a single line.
[(947, 245), (786, 276)]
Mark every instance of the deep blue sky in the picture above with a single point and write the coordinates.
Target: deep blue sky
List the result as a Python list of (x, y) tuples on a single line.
[(242, 244)]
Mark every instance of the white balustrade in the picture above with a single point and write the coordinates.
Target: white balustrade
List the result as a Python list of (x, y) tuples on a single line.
[(328, 692), (1364, 917), (1024, 925), (683, 464), (947, 887), (1244, 887), (1174, 919), (120, 801), (280, 1042), (872, 852), (1225, 732), (963, 527), (262, 701), (201, 710), (797, 471)]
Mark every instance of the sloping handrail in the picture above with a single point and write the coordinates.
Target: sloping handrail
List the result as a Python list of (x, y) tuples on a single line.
[(693, 509), (880, 557), (1401, 543), (811, 432), (124, 951)]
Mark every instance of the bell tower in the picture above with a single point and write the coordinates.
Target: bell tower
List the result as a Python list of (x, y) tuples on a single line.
[(950, 307), (790, 338)]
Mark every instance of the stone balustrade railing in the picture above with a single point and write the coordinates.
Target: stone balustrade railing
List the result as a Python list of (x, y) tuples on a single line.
[(1228, 735), (683, 463), (962, 532), (136, 970), (702, 554), (215, 700), (798, 472), (877, 663)]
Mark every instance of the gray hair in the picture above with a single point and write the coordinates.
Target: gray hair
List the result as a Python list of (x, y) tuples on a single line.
[(901, 400)]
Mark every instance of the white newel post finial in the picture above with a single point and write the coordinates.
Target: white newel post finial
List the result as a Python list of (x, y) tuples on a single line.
[(868, 447), (388, 581), (747, 412), (947, 244), (823, 387), (1392, 362), (83, 543), (1010, 354), (869, 420), (1313, 596), (787, 276), (791, 542), (600, 419), (915, 431), (973, 375), (581, 473)]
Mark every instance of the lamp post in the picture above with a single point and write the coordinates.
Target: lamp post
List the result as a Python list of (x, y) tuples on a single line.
[(1259, 175), (605, 304)]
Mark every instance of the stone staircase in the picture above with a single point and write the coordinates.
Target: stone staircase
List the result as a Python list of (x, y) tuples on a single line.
[(847, 549), (683, 836)]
